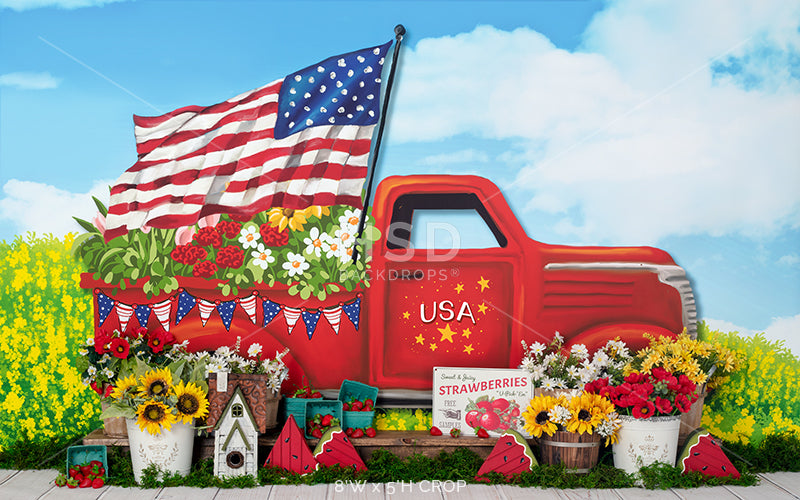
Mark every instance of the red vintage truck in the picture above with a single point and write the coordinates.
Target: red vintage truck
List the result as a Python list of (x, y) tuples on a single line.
[(424, 307)]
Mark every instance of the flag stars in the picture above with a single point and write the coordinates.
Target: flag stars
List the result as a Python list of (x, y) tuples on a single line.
[(468, 349), (447, 334), (459, 288), (433, 346), (406, 315), (420, 339), (466, 333), (484, 283), (482, 307)]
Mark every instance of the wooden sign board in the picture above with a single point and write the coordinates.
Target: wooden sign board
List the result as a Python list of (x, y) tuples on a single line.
[(490, 398)]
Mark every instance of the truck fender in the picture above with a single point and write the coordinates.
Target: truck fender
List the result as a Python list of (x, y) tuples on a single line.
[(630, 333)]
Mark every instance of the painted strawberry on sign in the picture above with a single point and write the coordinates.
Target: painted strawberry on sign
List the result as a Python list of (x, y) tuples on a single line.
[(492, 414)]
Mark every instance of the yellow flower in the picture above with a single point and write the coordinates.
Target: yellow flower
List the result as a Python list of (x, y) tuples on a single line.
[(583, 417), (282, 217), (152, 415), (536, 419), (123, 385), (155, 383), (192, 402)]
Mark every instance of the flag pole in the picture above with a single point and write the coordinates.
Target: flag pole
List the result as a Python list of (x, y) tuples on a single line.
[(399, 31)]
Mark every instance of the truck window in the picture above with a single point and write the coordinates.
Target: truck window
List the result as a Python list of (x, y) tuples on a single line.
[(443, 221)]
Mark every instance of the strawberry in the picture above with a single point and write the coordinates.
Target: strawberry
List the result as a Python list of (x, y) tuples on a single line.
[(317, 433), (482, 433), (73, 470), (370, 432), (349, 431), (326, 420), (435, 431), (345, 406), (94, 469), (85, 483), (98, 482), (356, 405), (71, 483), (358, 433), (316, 394), (455, 432), (61, 480), (368, 404), (86, 469)]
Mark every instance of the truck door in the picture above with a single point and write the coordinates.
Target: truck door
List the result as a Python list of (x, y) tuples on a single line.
[(449, 294)]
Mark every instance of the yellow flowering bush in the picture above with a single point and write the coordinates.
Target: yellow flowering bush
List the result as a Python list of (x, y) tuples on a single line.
[(702, 362), (761, 397), (44, 314)]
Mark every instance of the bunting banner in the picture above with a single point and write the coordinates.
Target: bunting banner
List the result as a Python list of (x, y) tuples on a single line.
[(186, 303), (290, 314)]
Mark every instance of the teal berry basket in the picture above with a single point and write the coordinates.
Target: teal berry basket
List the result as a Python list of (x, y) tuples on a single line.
[(357, 419), (351, 389), (297, 408), (314, 406), (82, 455)]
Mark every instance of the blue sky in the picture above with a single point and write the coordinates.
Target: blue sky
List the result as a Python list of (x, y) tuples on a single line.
[(671, 124)]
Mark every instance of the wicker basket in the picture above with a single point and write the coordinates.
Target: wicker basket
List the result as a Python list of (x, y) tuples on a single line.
[(577, 452)]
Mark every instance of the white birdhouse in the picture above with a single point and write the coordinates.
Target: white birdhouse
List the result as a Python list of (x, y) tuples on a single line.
[(236, 439)]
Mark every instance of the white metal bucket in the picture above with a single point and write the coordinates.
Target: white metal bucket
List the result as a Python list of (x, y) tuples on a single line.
[(645, 441), (171, 450)]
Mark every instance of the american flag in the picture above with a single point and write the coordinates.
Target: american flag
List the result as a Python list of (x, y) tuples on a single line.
[(296, 142)]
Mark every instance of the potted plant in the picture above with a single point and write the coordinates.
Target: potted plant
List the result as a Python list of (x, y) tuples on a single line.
[(570, 428), (555, 370), (650, 407), (706, 364), (160, 404), (105, 355), (259, 377)]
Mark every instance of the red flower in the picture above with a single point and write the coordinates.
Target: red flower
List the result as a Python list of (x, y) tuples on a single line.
[(188, 254), (159, 339), (120, 348), (230, 256), (660, 373), (663, 405), (240, 218), (205, 269), (682, 403), (101, 341), (108, 391), (207, 236), (96, 389), (229, 229), (644, 409), (635, 378), (273, 237), (687, 386)]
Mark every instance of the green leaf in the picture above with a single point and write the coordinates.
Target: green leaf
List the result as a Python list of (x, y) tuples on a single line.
[(87, 225), (100, 207), (293, 290), (80, 240), (371, 234), (118, 410), (305, 293), (135, 274), (325, 275), (321, 294), (109, 255), (226, 289), (157, 268), (333, 288)]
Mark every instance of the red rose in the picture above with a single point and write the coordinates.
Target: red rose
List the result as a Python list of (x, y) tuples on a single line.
[(644, 409), (229, 229), (188, 254), (205, 269), (663, 405), (272, 236), (230, 256), (120, 348), (207, 236)]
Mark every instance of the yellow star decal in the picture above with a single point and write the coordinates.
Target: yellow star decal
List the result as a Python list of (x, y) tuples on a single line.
[(484, 283), (466, 332), (406, 315), (459, 288), (433, 347), (447, 333), (483, 307), (468, 349), (420, 339)]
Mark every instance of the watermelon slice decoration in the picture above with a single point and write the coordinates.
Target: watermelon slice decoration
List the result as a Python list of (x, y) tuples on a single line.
[(511, 455), (291, 452), (703, 453), (336, 448)]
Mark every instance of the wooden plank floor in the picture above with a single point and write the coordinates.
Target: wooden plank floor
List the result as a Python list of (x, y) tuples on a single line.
[(38, 484)]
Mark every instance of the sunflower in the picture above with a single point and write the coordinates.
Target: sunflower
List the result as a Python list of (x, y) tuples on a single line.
[(585, 413), (317, 211), (282, 217), (192, 402), (123, 385), (536, 419), (152, 415), (156, 383)]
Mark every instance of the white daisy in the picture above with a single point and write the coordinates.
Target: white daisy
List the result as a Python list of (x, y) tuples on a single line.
[(314, 242), (296, 264), (249, 236), (254, 350), (262, 257)]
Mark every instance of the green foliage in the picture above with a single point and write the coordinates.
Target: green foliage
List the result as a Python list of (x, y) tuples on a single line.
[(776, 452), (758, 399)]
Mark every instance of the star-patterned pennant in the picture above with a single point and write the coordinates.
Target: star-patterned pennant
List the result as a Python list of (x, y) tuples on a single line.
[(205, 307), (291, 315), (249, 306), (334, 317), (271, 309), (162, 310), (143, 315), (185, 304), (353, 311), (124, 313), (311, 320), (225, 310), (104, 306)]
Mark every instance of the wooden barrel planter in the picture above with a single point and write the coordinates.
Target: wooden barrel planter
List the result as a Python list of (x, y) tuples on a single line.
[(577, 452)]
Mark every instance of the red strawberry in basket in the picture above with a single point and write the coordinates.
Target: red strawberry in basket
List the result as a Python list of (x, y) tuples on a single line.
[(326, 420), (356, 405)]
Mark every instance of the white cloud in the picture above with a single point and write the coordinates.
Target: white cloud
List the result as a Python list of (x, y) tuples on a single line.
[(633, 138), (42, 208), (465, 157), (786, 329), (29, 81), (19, 5), (790, 260)]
